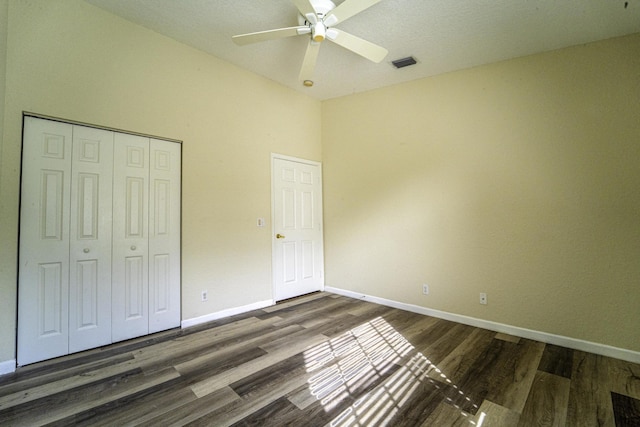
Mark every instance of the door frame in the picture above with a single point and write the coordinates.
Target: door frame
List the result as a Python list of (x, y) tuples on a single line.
[(275, 156)]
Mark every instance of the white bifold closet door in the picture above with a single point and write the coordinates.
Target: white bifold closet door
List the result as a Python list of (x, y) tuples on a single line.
[(145, 245), (130, 237), (99, 238), (90, 245)]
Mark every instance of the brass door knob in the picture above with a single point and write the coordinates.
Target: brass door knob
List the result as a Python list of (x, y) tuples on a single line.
[(279, 236)]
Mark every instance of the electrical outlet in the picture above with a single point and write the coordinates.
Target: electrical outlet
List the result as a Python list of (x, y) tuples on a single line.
[(205, 296), (483, 298), (425, 289)]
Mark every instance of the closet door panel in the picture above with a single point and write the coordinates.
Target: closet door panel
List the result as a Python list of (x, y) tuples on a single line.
[(164, 235), (43, 282), (130, 279), (90, 231)]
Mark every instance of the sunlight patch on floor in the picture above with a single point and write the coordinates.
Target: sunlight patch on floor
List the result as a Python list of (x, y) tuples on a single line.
[(356, 360)]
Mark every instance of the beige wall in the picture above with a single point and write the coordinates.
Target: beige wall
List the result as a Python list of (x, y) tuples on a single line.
[(520, 179), (4, 8), (7, 247), (71, 60)]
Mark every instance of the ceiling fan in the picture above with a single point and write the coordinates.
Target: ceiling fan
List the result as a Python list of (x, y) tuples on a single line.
[(318, 18)]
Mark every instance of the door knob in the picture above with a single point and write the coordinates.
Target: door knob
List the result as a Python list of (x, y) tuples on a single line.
[(279, 236), (85, 250), (133, 248)]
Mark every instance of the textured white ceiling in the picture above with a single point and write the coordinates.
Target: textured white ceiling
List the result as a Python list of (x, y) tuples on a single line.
[(443, 35)]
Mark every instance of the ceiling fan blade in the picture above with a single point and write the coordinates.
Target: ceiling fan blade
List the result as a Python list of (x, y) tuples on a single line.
[(306, 9), (260, 36), (309, 62), (371, 51), (346, 10)]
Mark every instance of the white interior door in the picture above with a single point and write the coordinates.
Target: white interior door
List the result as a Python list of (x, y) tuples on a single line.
[(164, 236), (90, 239), (130, 273), (297, 227), (43, 282)]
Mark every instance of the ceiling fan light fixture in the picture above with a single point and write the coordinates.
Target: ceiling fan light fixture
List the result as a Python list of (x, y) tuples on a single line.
[(332, 33), (319, 32), (311, 18), (330, 20)]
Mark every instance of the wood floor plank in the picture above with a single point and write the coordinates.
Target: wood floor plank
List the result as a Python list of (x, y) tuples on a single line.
[(419, 328), (479, 379), (447, 415), (626, 410), (361, 307), (547, 402), (455, 365), (491, 414), (557, 360), (239, 409), (327, 322), (338, 325), (420, 401), (154, 402), (272, 414), (512, 378), (438, 350), (193, 410), (432, 335), (589, 395), (624, 378), (326, 308), (232, 348), (227, 377), (507, 337)]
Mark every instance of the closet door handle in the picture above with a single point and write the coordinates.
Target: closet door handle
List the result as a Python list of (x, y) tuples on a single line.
[(85, 250), (133, 248)]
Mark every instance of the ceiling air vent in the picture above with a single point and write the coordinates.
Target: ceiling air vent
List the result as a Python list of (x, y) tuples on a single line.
[(404, 62)]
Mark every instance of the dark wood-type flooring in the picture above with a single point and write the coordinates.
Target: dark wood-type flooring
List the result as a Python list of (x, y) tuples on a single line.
[(325, 360)]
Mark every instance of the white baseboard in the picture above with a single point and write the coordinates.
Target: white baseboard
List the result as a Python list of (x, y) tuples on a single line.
[(225, 313), (576, 344), (7, 367)]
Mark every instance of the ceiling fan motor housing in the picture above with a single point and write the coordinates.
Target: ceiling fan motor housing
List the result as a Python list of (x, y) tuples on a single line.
[(322, 7)]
